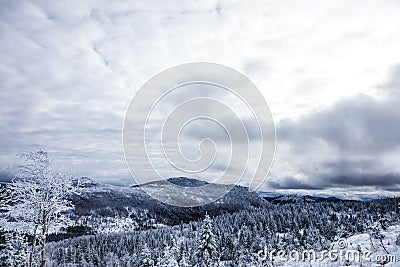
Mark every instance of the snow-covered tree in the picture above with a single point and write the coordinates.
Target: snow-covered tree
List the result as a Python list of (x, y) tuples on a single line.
[(184, 262), (174, 248), (38, 200), (111, 259), (206, 253), (375, 232), (168, 259), (14, 250), (145, 257)]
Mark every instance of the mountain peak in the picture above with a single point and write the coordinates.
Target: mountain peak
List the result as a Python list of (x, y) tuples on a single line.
[(186, 182), (83, 182)]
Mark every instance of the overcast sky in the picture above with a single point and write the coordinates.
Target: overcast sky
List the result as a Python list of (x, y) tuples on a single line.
[(329, 70)]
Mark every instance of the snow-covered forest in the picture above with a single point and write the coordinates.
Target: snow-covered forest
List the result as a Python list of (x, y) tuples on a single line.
[(49, 219), (235, 239)]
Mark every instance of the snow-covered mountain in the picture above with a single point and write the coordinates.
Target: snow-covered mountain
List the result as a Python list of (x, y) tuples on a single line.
[(294, 198), (99, 207)]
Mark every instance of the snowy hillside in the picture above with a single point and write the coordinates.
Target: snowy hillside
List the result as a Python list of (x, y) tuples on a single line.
[(356, 250), (283, 199), (109, 208)]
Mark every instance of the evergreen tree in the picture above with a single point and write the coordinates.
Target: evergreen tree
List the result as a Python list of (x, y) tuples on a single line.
[(14, 251), (174, 248), (145, 257), (168, 259), (184, 262), (206, 254)]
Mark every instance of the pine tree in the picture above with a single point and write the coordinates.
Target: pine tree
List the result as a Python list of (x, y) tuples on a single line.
[(145, 257), (14, 251), (206, 254), (111, 259), (168, 259), (174, 248), (184, 262)]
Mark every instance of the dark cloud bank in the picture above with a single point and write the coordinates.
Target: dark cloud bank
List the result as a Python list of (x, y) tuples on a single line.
[(353, 142)]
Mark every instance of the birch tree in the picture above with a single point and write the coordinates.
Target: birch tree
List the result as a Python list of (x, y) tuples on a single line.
[(38, 201)]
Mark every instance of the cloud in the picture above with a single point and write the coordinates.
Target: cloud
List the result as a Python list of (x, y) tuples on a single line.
[(393, 84), (293, 183), (358, 124), (375, 181), (68, 71), (5, 177), (354, 142)]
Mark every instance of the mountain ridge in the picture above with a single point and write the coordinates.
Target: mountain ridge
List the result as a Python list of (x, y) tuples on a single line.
[(96, 203)]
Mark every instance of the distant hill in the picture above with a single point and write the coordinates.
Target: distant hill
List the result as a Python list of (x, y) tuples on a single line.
[(287, 199), (97, 203), (104, 208)]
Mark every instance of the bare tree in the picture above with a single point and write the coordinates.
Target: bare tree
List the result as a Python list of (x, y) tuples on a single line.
[(38, 200)]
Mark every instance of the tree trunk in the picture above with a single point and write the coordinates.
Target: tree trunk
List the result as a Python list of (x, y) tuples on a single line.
[(383, 246), (44, 233), (372, 243), (33, 245)]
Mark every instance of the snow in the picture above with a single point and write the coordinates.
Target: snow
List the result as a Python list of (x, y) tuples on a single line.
[(355, 243)]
